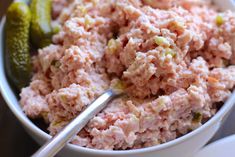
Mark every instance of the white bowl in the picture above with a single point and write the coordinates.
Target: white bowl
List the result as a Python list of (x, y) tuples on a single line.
[(183, 146)]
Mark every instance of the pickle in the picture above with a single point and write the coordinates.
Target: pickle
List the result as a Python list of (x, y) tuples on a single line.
[(17, 57), (41, 30)]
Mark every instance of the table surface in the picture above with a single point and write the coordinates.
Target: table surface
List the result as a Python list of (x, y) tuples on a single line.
[(14, 141)]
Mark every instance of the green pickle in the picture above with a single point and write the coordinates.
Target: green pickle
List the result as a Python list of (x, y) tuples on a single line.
[(18, 64), (41, 29)]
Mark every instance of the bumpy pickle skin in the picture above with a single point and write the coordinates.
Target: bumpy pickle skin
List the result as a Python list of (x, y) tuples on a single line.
[(41, 30), (17, 50)]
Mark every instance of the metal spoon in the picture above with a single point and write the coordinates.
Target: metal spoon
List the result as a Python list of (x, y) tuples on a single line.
[(53, 146)]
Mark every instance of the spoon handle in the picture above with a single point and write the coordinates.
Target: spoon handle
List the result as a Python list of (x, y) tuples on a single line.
[(53, 146)]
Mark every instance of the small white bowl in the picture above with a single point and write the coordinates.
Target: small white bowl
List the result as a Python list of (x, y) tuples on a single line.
[(183, 146)]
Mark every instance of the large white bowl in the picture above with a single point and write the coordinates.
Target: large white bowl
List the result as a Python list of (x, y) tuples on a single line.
[(184, 146)]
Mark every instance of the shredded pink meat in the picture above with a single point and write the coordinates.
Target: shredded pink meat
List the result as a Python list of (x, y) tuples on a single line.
[(173, 58)]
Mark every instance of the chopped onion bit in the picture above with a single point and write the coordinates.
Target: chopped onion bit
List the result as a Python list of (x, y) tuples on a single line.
[(219, 20), (161, 41), (112, 46), (170, 52)]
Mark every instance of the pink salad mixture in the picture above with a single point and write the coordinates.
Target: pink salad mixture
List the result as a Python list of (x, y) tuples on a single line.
[(173, 58)]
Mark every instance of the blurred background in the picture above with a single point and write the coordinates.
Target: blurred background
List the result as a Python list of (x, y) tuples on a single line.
[(15, 142)]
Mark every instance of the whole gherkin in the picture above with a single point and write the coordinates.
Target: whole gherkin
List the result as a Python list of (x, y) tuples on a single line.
[(17, 57)]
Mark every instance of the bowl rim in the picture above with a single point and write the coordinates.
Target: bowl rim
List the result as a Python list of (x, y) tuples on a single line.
[(14, 106)]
